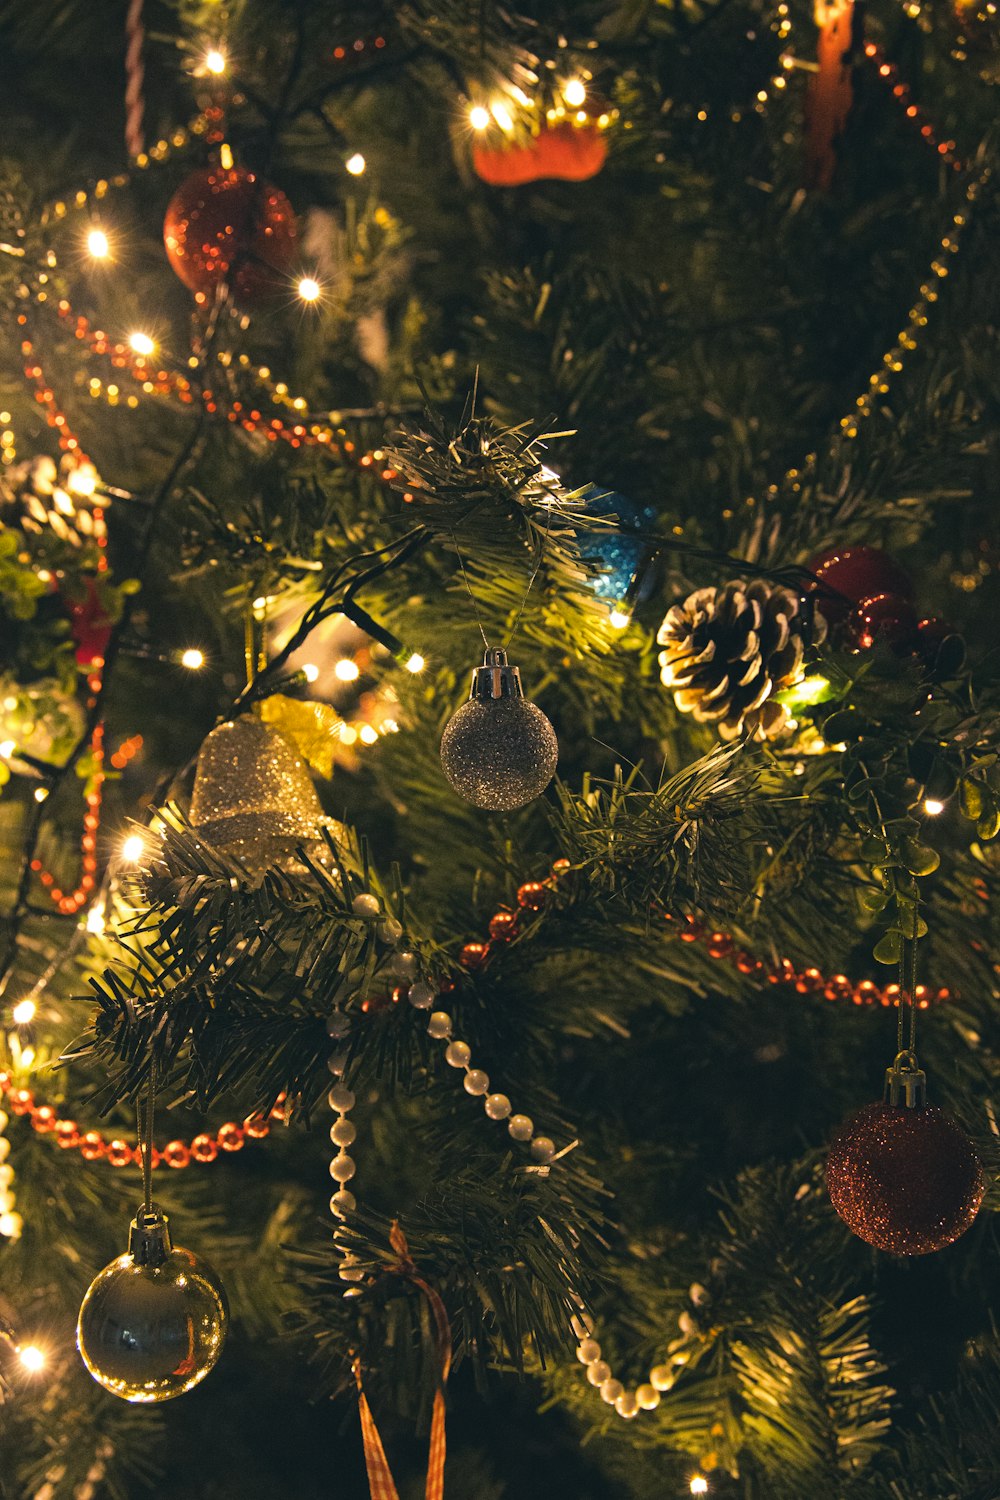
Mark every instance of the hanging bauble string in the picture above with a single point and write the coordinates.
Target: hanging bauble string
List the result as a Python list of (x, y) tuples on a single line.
[(227, 224), (901, 1173), (253, 797), (153, 1323), (499, 751)]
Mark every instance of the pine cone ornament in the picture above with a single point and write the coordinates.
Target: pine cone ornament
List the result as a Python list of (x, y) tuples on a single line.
[(40, 498), (727, 652)]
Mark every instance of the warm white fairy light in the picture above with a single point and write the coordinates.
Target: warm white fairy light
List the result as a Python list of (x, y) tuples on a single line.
[(215, 60), (574, 92), (193, 659), (7, 748), (132, 848), (83, 480), (502, 115), (310, 671), (95, 919), (347, 670), (368, 734), (41, 792), (32, 1358), (355, 164), (698, 1485), (348, 734), (620, 619), (479, 117), (932, 807), (97, 244), (142, 343), (308, 289), (23, 1013), (415, 663), (11, 1225)]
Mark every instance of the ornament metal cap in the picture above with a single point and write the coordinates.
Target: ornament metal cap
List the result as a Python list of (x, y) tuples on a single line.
[(149, 1241), (495, 678), (905, 1083)]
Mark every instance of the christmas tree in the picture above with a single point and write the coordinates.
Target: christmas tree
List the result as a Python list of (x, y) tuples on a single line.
[(578, 1084)]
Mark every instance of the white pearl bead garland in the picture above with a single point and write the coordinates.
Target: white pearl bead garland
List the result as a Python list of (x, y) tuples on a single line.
[(342, 1167), (458, 1054), (628, 1404), (11, 1222)]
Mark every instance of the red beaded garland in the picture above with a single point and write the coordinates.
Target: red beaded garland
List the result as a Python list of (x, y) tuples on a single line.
[(503, 925), (532, 895), (473, 955)]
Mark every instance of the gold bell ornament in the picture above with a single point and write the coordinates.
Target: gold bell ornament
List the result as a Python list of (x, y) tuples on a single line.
[(253, 797)]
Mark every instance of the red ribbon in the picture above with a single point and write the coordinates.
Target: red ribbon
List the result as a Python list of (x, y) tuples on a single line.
[(380, 1480)]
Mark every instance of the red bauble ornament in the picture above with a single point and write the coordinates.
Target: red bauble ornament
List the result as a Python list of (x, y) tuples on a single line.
[(857, 573), (571, 153), (903, 1179), (885, 619), (91, 626), (228, 224)]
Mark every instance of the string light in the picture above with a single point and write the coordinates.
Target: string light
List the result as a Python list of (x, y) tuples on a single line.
[(41, 792), (479, 117), (32, 1358), (97, 244), (23, 1013), (502, 115), (310, 671), (308, 289), (368, 734), (133, 848), (7, 748), (142, 343), (355, 164), (574, 92), (698, 1485), (415, 663), (620, 620), (193, 659), (933, 807), (95, 919), (347, 670), (215, 61)]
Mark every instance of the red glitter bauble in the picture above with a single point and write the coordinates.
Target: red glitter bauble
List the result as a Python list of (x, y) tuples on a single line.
[(857, 573), (229, 225), (904, 1180), (885, 619)]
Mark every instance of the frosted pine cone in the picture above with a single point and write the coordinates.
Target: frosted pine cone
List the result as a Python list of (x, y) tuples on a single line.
[(727, 652)]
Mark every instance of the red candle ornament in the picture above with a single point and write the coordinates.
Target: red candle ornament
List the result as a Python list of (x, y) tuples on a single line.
[(830, 93), (570, 153)]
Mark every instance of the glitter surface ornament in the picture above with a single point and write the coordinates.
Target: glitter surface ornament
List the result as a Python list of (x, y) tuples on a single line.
[(622, 556), (498, 751), (904, 1179), (153, 1323), (228, 224), (253, 797)]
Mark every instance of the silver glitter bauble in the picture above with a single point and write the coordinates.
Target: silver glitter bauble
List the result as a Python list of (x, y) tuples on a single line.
[(153, 1323), (498, 751), (253, 797)]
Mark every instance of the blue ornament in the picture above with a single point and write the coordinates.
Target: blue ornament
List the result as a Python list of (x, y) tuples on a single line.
[(622, 556)]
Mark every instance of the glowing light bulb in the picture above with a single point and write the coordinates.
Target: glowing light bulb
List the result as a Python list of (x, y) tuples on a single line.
[(226, 157), (310, 671), (141, 343), (133, 848), (82, 481), (23, 1013), (355, 164), (193, 659), (31, 1356), (932, 807), (501, 114), (348, 734), (11, 1225), (416, 663), (97, 244), (368, 734), (699, 1485), (479, 117), (41, 792), (95, 919), (347, 670), (620, 619), (574, 92), (215, 60), (7, 748), (308, 289)]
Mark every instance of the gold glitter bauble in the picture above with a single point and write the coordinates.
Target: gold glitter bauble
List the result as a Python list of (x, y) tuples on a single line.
[(253, 797), (904, 1180), (153, 1323)]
